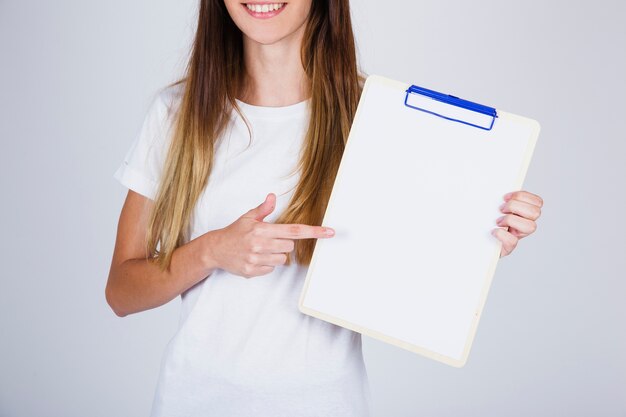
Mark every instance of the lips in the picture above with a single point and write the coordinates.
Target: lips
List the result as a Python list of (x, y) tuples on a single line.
[(263, 10)]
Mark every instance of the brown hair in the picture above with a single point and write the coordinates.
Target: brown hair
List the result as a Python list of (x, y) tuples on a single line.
[(214, 76)]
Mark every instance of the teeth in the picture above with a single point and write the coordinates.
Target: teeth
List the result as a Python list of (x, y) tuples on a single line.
[(265, 8)]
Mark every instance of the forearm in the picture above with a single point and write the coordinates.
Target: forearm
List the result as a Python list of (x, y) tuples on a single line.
[(139, 284)]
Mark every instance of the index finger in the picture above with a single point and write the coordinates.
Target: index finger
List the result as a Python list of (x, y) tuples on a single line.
[(296, 231)]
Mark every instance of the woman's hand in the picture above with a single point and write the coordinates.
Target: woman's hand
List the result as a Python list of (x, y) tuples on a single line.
[(521, 210), (249, 246)]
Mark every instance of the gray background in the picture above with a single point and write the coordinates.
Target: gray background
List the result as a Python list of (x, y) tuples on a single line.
[(75, 81)]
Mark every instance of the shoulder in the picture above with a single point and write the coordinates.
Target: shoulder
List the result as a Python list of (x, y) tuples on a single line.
[(167, 100), (172, 94), (159, 118)]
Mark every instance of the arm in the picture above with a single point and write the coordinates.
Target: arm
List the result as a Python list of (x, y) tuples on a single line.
[(135, 283)]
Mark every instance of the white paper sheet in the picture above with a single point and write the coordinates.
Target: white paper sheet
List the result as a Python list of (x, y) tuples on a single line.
[(415, 199)]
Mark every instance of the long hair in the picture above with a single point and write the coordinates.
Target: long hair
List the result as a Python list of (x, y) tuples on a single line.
[(214, 76)]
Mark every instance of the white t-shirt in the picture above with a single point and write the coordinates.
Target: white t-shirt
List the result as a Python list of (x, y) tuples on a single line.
[(243, 348)]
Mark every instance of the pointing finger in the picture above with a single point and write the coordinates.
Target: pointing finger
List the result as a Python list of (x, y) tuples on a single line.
[(296, 231)]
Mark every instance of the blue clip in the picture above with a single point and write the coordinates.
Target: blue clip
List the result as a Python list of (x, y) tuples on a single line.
[(452, 100)]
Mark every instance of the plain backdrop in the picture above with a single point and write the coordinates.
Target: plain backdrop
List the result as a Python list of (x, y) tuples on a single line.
[(75, 81)]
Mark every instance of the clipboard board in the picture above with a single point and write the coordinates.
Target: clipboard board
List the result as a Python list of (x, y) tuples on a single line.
[(413, 204)]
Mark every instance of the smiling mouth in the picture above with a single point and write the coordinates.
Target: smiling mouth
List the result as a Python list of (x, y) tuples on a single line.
[(263, 10)]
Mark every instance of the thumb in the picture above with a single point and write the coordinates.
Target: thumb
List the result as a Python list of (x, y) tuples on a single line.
[(263, 209)]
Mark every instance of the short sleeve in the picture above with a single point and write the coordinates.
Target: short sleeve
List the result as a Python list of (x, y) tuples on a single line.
[(143, 163)]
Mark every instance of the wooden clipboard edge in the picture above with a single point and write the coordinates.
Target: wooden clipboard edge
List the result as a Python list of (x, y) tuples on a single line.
[(385, 338), (458, 363)]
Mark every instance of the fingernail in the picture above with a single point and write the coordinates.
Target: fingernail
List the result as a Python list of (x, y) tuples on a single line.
[(502, 206), (499, 219), (493, 232), (329, 231), (507, 196)]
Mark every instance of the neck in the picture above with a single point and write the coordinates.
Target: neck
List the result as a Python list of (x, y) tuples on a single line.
[(274, 73)]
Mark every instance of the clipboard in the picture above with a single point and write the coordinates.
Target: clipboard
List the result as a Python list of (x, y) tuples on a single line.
[(413, 204)]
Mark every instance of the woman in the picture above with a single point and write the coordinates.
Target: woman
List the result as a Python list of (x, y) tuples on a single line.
[(228, 180)]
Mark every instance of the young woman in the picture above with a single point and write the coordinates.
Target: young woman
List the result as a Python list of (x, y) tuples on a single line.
[(228, 182)]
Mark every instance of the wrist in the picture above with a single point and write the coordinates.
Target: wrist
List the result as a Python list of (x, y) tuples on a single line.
[(208, 256)]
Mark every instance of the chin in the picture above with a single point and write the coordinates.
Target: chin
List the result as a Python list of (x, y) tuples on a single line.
[(264, 38)]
